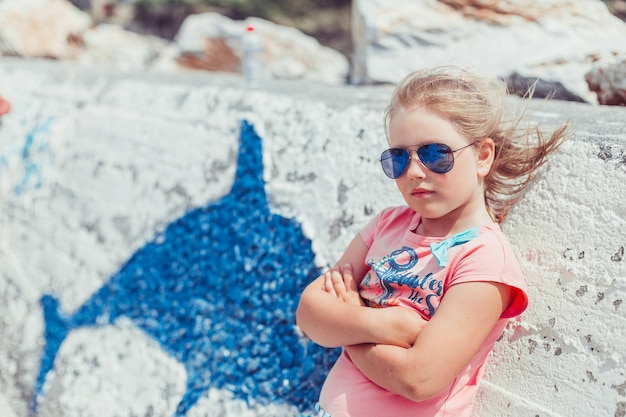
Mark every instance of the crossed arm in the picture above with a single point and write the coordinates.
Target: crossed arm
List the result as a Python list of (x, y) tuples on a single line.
[(331, 312), (394, 347)]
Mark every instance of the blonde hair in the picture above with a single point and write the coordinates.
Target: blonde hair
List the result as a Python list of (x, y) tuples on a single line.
[(476, 107)]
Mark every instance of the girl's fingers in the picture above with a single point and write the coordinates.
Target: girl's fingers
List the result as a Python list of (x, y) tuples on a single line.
[(348, 278), (340, 283), (337, 281), (328, 283), (351, 287)]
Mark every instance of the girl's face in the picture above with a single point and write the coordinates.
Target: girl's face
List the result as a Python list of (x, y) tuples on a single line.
[(450, 202)]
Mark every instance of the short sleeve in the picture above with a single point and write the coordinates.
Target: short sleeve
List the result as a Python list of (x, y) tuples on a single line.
[(490, 258)]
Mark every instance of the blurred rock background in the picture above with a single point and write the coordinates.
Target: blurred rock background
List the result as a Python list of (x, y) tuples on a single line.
[(328, 21), (572, 50)]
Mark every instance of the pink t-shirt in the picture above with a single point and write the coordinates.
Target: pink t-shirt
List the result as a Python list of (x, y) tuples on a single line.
[(404, 272)]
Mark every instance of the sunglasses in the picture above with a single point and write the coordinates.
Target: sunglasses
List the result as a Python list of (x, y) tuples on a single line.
[(437, 157)]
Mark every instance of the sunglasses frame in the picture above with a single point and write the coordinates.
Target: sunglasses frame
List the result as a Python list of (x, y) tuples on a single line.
[(429, 165)]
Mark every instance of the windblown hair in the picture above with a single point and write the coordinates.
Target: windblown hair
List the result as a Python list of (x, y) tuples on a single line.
[(476, 106)]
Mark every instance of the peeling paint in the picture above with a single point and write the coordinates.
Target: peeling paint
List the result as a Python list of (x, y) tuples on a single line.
[(617, 303), (591, 377), (342, 222), (303, 178), (593, 347), (342, 191), (571, 254), (621, 389), (607, 154), (581, 291), (617, 257)]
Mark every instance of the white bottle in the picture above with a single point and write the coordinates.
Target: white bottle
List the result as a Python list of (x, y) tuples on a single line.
[(253, 57)]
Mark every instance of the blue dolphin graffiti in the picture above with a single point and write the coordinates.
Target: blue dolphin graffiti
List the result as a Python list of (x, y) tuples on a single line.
[(217, 289)]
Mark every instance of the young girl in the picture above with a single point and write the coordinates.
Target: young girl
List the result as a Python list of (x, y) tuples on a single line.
[(442, 273)]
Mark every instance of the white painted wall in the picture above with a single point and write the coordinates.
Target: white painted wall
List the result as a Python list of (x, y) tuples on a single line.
[(114, 157)]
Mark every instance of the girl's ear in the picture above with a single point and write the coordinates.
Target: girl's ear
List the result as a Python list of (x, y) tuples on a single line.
[(485, 155)]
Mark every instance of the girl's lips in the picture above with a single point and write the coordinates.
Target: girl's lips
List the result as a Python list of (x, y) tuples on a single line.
[(421, 193)]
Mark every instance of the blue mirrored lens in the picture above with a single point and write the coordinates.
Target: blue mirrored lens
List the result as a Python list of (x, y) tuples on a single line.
[(437, 157), (394, 162)]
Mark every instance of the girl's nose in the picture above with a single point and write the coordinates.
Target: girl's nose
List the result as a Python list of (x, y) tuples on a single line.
[(415, 168)]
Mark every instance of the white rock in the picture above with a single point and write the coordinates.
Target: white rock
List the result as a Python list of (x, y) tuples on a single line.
[(41, 28), (289, 53), (608, 80), (551, 39), (112, 46), (197, 27)]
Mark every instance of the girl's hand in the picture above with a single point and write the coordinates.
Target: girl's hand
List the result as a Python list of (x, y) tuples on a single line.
[(397, 326), (341, 284)]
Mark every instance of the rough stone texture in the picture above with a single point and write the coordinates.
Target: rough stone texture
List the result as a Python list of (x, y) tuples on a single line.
[(93, 163), (556, 40)]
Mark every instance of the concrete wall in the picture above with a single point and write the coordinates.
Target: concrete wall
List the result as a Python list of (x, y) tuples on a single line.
[(146, 269)]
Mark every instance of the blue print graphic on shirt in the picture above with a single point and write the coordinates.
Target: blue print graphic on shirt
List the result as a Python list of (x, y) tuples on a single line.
[(397, 270)]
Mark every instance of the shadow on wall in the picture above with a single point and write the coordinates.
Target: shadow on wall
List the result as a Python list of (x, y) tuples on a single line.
[(222, 281)]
